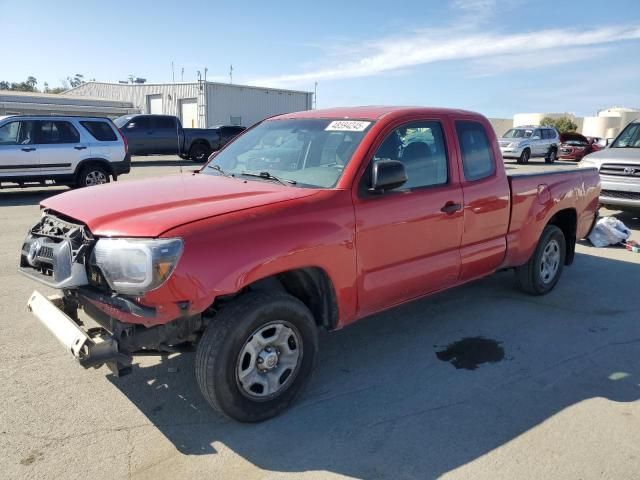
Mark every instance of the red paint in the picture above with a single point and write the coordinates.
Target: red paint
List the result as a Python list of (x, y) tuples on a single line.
[(378, 251)]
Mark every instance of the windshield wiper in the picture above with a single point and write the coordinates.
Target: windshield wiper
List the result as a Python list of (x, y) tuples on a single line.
[(219, 169), (270, 176)]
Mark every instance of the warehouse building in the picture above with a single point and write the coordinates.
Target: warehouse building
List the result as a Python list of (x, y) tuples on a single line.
[(34, 103), (201, 104)]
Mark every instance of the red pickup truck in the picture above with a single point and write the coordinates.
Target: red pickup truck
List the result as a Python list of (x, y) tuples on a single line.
[(308, 220)]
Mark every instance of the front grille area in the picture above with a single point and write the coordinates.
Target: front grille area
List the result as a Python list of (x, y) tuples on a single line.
[(55, 250), (620, 170), (620, 195)]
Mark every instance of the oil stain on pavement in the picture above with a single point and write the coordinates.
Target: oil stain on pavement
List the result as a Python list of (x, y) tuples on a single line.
[(470, 352)]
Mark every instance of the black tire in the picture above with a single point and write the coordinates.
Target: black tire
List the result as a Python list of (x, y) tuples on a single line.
[(524, 156), (530, 276), (219, 349), (199, 152), (551, 156), (92, 174)]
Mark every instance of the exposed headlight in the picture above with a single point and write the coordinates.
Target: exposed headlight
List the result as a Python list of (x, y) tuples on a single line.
[(134, 266)]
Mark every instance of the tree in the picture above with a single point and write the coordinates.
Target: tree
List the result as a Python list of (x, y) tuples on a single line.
[(563, 124), (76, 80)]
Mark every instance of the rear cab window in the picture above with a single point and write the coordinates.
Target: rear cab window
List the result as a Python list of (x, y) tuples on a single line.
[(478, 161), (101, 131)]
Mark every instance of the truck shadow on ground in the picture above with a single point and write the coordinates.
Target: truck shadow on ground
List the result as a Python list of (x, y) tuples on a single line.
[(150, 162), (381, 405)]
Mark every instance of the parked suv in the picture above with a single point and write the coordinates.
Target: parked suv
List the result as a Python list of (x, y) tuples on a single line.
[(76, 151), (523, 143), (619, 166)]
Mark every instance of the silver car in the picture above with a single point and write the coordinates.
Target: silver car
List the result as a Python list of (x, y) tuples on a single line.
[(523, 143), (619, 166)]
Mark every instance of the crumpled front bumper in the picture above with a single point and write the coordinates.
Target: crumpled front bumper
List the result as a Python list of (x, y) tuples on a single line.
[(92, 347)]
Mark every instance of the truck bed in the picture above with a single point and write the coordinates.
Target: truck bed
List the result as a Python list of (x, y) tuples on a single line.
[(537, 196)]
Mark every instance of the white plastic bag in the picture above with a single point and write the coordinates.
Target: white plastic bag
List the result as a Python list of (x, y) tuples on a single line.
[(608, 231)]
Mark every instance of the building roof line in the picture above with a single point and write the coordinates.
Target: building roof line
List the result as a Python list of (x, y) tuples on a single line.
[(208, 82)]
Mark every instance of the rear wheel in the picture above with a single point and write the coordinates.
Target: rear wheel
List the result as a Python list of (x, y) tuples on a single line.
[(551, 156), (92, 175), (199, 152), (524, 156), (541, 273), (256, 355)]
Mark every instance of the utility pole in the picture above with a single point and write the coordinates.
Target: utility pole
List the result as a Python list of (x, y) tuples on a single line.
[(182, 75), (205, 73), (231, 73), (315, 96)]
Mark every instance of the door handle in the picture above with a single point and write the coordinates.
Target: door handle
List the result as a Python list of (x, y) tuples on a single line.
[(80, 147), (28, 149), (450, 208)]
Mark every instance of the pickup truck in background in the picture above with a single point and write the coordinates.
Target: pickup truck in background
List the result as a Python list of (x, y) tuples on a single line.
[(164, 135), (307, 221)]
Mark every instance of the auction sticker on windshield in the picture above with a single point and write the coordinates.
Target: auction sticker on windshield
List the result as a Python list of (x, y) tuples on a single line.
[(347, 126)]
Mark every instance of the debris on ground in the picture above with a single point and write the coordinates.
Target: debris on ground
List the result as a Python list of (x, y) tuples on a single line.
[(608, 231)]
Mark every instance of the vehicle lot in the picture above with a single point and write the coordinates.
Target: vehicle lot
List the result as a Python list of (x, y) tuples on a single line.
[(381, 406)]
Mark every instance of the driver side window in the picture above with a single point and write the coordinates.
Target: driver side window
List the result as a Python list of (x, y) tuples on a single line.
[(420, 147)]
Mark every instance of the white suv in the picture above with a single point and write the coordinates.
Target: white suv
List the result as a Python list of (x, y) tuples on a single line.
[(77, 151), (523, 143)]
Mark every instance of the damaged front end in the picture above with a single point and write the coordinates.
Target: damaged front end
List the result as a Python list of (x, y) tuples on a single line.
[(60, 252)]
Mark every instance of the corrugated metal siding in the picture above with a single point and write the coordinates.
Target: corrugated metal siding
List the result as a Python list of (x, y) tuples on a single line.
[(46, 104), (137, 94), (220, 101), (251, 104)]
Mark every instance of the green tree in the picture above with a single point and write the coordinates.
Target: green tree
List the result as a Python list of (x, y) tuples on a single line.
[(563, 124)]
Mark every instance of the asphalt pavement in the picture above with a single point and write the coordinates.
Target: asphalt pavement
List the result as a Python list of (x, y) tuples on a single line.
[(478, 382)]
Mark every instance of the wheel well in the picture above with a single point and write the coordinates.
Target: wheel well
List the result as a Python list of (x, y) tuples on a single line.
[(567, 221), (200, 141), (94, 161), (311, 285)]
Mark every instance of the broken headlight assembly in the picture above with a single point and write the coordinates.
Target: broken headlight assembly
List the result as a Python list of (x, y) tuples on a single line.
[(133, 266)]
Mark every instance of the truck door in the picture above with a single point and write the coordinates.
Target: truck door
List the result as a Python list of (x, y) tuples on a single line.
[(486, 199), (408, 239), (165, 134), (139, 135), (19, 156)]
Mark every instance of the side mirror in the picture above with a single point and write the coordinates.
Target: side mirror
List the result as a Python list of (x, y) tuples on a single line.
[(387, 175)]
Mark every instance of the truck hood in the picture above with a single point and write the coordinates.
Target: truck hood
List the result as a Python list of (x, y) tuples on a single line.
[(616, 155), (149, 207)]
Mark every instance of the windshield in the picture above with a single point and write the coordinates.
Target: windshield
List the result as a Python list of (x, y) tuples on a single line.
[(121, 121), (518, 133), (629, 138), (306, 152)]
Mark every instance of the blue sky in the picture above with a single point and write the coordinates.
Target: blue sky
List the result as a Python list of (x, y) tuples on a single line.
[(498, 57)]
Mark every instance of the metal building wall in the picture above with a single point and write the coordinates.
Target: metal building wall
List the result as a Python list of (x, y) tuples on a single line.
[(252, 104), (217, 102), (137, 94)]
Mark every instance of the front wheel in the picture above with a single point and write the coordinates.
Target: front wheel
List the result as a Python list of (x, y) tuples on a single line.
[(541, 273), (256, 355), (524, 156)]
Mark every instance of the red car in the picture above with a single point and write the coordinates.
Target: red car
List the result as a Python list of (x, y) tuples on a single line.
[(307, 221), (574, 146)]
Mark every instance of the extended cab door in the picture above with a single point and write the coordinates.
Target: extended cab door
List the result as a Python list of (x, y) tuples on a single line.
[(19, 156), (408, 239), (486, 195)]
